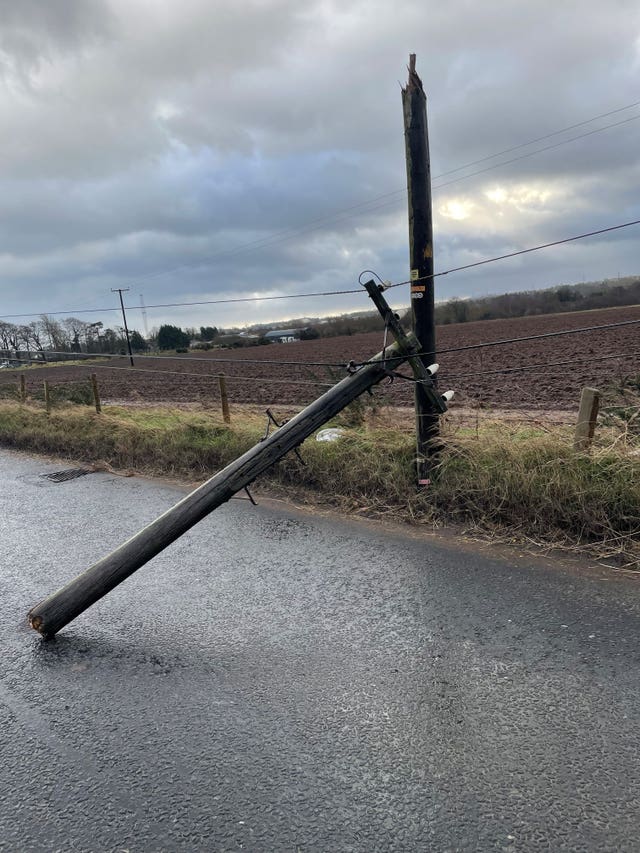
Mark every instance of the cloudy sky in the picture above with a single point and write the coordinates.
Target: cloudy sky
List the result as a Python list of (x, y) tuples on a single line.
[(197, 150)]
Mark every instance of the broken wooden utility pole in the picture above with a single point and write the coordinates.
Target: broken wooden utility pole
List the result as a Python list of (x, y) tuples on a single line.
[(63, 606), (414, 104)]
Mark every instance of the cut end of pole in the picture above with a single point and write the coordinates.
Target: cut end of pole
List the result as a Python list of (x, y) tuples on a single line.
[(35, 622)]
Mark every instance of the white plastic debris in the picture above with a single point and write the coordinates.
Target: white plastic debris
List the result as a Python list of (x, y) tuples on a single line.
[(330, 434)]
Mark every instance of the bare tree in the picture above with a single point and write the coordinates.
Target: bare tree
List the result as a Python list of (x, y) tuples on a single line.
[(53, 333), (37, 338), (5, 338)]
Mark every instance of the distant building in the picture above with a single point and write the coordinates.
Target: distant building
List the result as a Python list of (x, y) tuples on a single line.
[(283, 336)]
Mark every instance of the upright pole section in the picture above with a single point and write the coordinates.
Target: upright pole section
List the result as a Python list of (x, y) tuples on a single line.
[(414, 104), (121, 290)]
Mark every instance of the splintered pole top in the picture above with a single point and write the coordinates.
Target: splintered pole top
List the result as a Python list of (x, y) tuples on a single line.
[(414, 83)]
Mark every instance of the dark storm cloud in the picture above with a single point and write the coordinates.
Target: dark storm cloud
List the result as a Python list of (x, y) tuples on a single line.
[(34, 33), (228, 144)]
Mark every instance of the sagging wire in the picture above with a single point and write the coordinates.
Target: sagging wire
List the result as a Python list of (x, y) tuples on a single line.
[(199, 358), (383, 284), (229, 377), (506, 341), (520, 252)]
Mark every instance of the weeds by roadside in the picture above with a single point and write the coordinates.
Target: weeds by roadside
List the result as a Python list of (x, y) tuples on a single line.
[(520, 480)]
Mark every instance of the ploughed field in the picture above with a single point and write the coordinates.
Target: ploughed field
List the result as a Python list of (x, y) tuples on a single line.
[(255, 374)]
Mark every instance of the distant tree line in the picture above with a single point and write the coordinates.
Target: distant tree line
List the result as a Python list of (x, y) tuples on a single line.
[(554, 300), (47, 336)]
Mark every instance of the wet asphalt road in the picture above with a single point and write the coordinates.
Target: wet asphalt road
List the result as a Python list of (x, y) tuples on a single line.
[(279, 682)]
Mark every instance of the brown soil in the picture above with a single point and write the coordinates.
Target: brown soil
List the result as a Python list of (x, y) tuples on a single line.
[(546, 385)]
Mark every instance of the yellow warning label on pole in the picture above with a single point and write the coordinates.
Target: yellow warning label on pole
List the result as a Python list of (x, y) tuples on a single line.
[(415, 275)]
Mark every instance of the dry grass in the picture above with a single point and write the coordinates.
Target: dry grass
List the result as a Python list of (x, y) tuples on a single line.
[(519, 479)]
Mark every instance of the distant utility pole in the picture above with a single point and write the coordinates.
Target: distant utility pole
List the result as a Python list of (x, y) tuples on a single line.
[(144, 317), (414, 104), (120, 291)]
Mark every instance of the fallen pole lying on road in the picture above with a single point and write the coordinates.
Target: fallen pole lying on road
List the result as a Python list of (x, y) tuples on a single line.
[(52, 614)]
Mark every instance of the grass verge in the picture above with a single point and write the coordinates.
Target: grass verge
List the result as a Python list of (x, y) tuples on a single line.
[(524, 482)]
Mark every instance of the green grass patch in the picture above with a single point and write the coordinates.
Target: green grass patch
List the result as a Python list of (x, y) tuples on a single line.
[(521, 480)]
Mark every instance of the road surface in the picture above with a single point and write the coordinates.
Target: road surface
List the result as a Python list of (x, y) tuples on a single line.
[(281, 682)]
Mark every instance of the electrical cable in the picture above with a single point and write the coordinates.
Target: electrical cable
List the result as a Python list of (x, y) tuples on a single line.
[(505, 341), (200, 359), (365, 207), (228, 377), (538, 139), (321, 220), (181, 304), (537, 151), (343, 292), (519, 252), (541, 366), (541, 336), (517, 340), (339, 365)]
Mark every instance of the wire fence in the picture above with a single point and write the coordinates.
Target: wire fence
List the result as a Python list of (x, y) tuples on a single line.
[(516, 379), (480, 404)]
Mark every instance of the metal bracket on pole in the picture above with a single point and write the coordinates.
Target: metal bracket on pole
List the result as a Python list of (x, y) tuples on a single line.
[(272, 420), (408, 345)]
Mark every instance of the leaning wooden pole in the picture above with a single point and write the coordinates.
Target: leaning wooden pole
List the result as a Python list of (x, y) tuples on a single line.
[(414, 106), (63, 606)]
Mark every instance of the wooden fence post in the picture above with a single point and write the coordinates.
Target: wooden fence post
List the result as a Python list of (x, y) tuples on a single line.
[(23, 389), (96, 393), (226, 414), (587, 416), (47, 397)]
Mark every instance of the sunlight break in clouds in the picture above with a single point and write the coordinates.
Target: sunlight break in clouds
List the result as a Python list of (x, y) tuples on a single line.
[(190, 147)]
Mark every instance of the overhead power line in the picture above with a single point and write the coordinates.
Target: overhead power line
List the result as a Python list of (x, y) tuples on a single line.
[(446, 374), (539, 366), (537, 151), (525, 251), (201, 359), (343, 364), (390, 197), (336, 292), (386, 198), (540, 139), (229, 377), (506, 341)]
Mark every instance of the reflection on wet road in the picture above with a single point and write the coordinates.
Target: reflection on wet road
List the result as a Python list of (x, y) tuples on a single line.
[(277, 682)]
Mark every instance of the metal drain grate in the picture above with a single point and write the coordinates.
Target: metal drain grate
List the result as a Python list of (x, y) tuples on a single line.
[(69, 474)]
